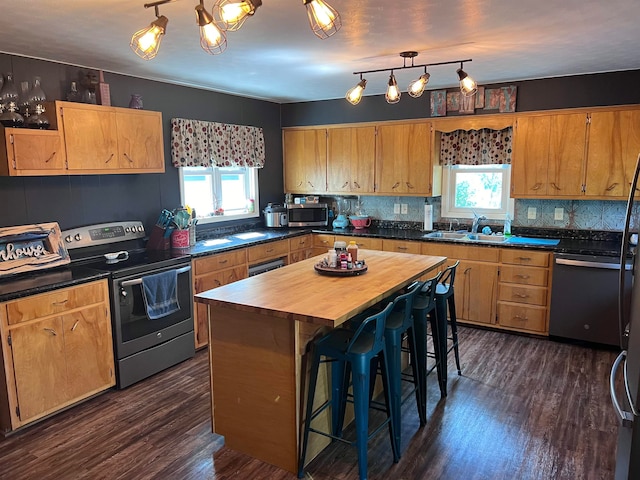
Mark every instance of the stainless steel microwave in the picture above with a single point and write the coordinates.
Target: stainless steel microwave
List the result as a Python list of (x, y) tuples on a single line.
[(308, 214)]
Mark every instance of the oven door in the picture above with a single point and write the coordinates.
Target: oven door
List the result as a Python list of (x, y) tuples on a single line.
[(134, 330)]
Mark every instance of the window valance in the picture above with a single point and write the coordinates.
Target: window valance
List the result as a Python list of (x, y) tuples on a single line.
[(196, 143), (476, 147)]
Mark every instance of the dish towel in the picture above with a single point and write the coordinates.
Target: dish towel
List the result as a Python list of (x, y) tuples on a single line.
[(160, 292)]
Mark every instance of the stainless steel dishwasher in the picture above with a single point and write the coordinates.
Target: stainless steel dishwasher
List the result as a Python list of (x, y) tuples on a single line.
[(584, 298)]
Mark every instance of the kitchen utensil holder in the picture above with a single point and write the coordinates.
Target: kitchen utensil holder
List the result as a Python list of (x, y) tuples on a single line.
[(158, 239)]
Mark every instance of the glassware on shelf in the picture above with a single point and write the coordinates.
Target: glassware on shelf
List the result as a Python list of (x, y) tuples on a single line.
[(23, 99), (36, 95), (9, 92), (10, 117), (38, 119), (136, 101), (74, 95)]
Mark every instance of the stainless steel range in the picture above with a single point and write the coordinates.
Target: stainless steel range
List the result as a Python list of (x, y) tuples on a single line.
[(143, 344)]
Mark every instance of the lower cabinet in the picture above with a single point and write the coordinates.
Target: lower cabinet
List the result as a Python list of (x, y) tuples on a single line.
[(475, 292), (300, 248), (57, 349)]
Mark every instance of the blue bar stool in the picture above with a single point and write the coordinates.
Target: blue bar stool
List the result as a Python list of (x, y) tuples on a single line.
[(351, 352)]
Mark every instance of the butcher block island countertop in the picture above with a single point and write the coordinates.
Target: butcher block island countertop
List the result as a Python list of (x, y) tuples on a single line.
[(259, 329)]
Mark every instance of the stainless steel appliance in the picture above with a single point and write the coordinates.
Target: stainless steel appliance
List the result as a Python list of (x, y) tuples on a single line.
[(275, 216), (142, 346), (584, 298), (626, 400), (308, 214)]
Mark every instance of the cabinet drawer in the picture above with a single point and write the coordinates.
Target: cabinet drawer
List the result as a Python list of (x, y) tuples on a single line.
[(59, 301), (217, 279), (524, 275), (219, 261), (523, 317), (400, 246), (461, 252), (525, 257), (267, 251), (521, 294), (323, 241), (300, 243), (300, 255), (366, 243)]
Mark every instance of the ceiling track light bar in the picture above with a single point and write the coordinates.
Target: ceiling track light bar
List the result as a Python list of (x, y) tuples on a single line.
[(412, 66), (159, 2)]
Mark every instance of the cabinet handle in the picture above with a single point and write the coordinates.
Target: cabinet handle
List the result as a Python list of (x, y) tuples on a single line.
[(467, 270), (222, 262), (300, 184), (524, 259), (51, 331), (521, 295), (109, 159), (218, 283), (61, 302), (518, 317), (357, 185), (395, 185), (128, 158), (402, 248), (310, 184), (536, 186), (409, 185), (75, 325), (344, 184), (269, 250), (555, 186), (50, 158), (522, 276), (612, 186)]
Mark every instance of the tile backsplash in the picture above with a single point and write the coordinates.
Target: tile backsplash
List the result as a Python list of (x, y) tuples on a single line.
[(576, 214)]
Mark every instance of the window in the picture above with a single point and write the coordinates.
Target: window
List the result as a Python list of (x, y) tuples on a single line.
[(481, 189), (220, 193)]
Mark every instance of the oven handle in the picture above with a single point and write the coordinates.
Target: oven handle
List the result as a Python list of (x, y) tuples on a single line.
[(137, 281)]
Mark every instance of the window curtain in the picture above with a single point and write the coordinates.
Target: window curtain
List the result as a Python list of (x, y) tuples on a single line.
[(196, 143), (476, 147)]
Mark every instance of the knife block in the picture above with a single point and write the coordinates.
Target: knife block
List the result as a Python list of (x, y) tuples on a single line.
[(159, 240)]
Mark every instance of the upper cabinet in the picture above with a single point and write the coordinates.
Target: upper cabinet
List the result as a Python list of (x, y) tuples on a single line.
[(305, 160), (548, 155), (351, 160), (86, 139)]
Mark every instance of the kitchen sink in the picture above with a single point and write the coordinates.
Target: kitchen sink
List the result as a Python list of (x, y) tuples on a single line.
[(467, 237), (446, 235)]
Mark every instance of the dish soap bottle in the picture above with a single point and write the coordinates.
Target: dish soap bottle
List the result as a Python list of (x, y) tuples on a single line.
[(507, 226)]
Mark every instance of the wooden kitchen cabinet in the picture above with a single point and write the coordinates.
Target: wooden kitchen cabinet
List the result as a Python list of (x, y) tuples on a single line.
[(612, 152), (366, 243), (32, 152), (210, 272), (322, 242), (56, 350), (548, 155), (305, 160), (403, 159), (401, 246), (351, 160), (300, 248)]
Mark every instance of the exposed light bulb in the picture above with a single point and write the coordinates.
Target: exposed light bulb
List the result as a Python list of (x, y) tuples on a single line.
[(416, 88), (393, 93), (468, 85), (231, 15), (146, 42), (323, 18), (212, 39), (354, 95)]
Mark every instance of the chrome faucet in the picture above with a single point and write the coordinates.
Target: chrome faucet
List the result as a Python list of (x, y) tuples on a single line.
[(451, 222), (476, 220)]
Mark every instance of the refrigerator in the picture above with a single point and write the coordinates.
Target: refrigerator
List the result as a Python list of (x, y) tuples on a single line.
[(626, 367)]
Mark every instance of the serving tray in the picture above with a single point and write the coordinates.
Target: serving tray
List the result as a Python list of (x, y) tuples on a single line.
[(340, 272)]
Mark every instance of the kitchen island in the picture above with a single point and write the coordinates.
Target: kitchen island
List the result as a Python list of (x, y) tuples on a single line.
[(259, 329)]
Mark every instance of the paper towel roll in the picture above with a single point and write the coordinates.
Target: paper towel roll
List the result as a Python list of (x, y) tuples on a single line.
[(428, 217)]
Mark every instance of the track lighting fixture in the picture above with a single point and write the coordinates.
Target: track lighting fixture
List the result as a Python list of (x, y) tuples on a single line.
[(227, 15), (323, 18), (468, 86), (354, 95), (212, 39), (393, 92)]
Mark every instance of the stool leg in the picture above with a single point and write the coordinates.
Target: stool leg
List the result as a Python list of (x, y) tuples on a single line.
[(360, 375), (413, 355), (392, 341), (439, 330), (340, 372), (387, 398), (454, 330), (420, 333), (313, 378)]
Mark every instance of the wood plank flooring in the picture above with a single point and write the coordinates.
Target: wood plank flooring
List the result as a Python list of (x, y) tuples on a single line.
[(524, 408)]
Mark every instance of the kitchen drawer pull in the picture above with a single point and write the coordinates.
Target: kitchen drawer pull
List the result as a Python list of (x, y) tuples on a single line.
[(51, 331), (402, 248), (524, 259), (61, 302), (521, 295), (518, 317), (75, 325), (269, 250), (222, 262), (109, 159), (524, 277), (50, 158), (128, 158)]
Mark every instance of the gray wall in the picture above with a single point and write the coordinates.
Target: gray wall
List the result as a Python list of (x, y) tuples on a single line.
[(86, 199)]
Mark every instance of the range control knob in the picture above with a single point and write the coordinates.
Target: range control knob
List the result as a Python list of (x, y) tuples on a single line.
[(127, 229), (78, 237), (68, 239), (140, 228)]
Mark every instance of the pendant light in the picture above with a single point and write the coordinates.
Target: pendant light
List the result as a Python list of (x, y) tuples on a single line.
[(468, 85), (146, 42), (212, 39), (354, 95), (393, 93), (230, 15), (323, 18), (416, 88)]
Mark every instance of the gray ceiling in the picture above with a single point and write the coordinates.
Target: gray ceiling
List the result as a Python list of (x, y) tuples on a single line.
[(276, 57)]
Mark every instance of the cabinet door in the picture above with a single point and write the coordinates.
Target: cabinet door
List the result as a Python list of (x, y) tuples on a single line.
[(566, 155), (475, 291), (140, 145), (305, 160), (39, 367), (351, 159), (88, 347), (36, 151), (614, 143), (90, 136), (530, 156)]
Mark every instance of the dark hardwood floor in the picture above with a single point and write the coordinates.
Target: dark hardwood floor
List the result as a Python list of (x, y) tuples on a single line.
[(524, 408)]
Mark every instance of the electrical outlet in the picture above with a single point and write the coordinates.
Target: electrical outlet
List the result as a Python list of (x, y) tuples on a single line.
[(396, 208), (532, 213), (404, 208), (558, 214)]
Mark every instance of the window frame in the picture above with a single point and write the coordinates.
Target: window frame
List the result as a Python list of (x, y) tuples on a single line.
[(217, 183), (448, 192)]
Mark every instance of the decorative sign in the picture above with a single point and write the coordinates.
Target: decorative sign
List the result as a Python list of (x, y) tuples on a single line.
[(31, 247), (502, 99)]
